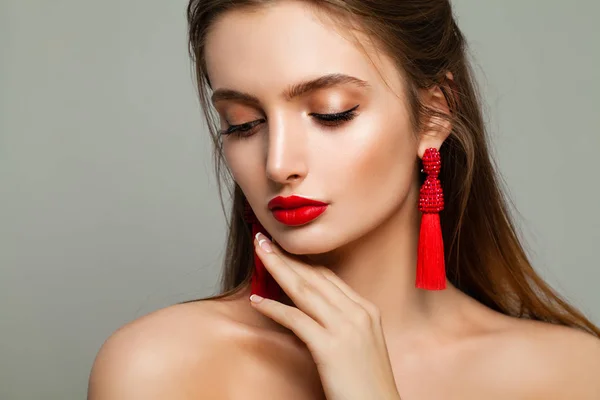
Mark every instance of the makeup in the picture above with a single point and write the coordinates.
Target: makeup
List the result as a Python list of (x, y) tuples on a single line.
[(296, 210)]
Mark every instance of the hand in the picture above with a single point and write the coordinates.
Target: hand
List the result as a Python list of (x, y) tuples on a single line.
[(341, 329)]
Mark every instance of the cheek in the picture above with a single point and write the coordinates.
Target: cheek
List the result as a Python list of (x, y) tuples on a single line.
[(243, 161), (375, 162)]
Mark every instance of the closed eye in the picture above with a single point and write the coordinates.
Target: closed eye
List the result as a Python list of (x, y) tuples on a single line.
[(338, 118), (327, 120)]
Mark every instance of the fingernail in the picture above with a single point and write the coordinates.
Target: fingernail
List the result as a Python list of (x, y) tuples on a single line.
[(255, 298), (263, 242)]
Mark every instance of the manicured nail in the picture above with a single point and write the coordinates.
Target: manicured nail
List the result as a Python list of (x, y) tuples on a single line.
[(255, 298), (263, 242)]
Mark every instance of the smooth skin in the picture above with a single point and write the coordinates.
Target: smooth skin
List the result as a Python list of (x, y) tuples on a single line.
[(439, 344)]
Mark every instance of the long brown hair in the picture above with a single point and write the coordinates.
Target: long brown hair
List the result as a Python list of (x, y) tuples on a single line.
[(484, 257)]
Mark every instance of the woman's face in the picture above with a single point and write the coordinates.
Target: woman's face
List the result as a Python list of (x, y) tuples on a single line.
[(363, 166)]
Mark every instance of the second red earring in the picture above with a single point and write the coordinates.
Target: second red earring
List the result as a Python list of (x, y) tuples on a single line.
[(262, 283)]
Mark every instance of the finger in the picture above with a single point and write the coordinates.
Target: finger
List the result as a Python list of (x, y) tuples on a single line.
[(316, 276), (349, 291), (303, 326), (343, 293), (301, 289), (309, 272), (341, 284)]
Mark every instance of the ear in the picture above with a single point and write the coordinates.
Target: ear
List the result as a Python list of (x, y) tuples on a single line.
[(434, 130)]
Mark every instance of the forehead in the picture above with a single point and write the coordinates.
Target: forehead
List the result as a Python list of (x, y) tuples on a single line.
[(263, 51)]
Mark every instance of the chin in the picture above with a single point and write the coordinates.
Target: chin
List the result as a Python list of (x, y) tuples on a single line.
[(303, 248), (309, 239)]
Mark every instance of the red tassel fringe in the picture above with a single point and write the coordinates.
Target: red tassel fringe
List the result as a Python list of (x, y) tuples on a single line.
[(431, 271)]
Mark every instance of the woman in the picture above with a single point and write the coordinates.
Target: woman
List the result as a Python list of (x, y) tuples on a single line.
[(334, 117)]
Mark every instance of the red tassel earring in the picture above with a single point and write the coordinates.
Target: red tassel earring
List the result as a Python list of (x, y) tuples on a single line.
[(431, 271), (262, 283)]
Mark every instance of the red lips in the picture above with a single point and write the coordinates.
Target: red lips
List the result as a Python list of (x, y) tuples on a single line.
[(296, 210)]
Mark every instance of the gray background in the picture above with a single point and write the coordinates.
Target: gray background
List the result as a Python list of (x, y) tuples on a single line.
[(108, 205)]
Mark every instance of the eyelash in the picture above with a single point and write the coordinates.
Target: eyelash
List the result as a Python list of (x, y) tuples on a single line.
[(328, 120)]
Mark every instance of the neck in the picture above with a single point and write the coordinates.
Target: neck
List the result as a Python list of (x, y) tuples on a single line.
[(381, 267)]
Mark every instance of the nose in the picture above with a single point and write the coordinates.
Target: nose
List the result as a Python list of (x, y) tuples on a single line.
[(286, 154)]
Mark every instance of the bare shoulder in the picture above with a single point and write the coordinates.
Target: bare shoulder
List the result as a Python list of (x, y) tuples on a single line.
[(217, 349), (552, 361), (150, 357)]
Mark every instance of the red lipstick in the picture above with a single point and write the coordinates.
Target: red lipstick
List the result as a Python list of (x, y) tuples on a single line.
[(296, 210)]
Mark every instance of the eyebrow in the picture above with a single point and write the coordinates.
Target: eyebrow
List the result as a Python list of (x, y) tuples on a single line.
[(293, 91)]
